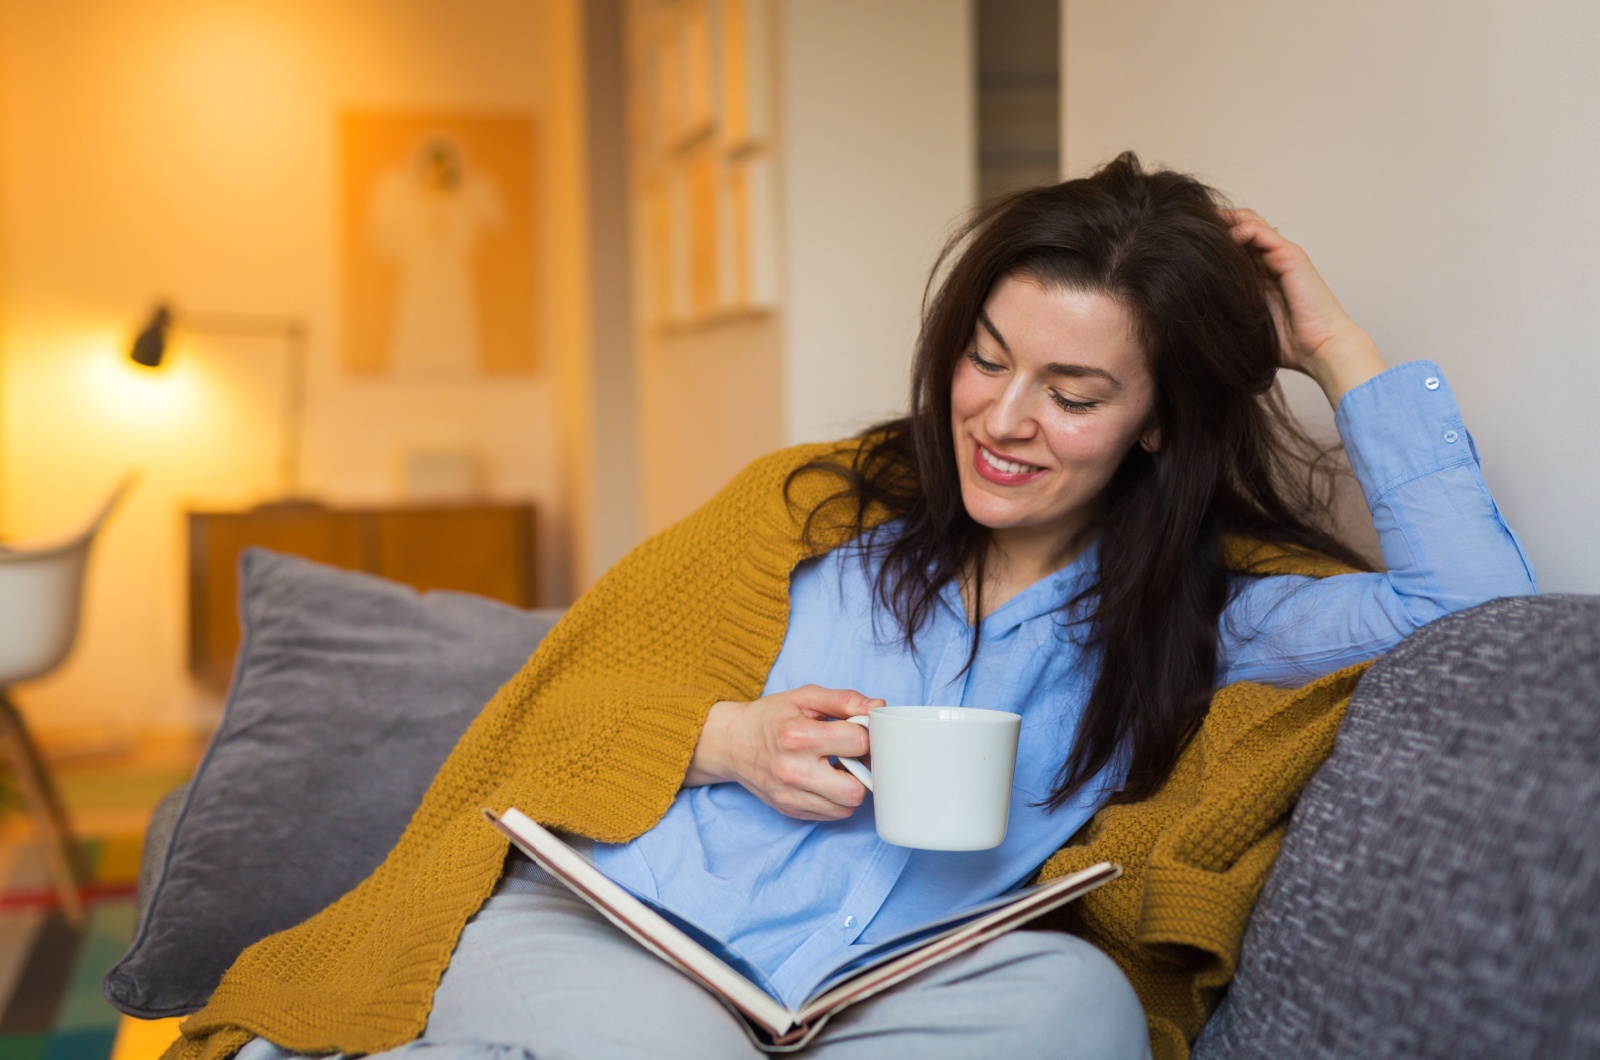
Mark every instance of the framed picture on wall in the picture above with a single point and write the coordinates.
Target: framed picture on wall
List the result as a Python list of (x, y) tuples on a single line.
[(438, 243)]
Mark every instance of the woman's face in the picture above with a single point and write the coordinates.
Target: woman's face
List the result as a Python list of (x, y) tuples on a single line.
[(1050, 396)]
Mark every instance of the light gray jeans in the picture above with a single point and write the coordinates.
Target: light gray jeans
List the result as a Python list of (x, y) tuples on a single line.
[(539, 974)]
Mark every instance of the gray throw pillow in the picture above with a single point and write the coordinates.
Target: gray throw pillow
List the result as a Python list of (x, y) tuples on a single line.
[(1438, 892), (348, 693)]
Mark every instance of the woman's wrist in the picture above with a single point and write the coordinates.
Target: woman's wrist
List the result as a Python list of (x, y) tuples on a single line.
[(709, 764), (1346, 363)]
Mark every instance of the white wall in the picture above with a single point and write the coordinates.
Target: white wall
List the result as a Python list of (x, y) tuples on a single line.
[(1440, 159), (877, 161)]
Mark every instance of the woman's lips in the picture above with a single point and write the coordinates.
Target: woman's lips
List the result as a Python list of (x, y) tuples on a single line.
[(987, 470)]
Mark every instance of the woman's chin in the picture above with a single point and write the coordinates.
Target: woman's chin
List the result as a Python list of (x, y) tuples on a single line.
[(998, 516)]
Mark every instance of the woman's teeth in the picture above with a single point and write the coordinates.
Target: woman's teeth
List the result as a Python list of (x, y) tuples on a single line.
[(1009, 467)]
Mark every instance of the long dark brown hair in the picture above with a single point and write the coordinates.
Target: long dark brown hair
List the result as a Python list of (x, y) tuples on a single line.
[(1232, 461)]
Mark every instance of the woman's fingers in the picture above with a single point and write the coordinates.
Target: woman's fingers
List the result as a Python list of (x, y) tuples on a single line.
[(1243, 219), (1251, 229), (806, 745), (831, 702), (1316, 336), (813, 789), (841, 791), (812, 809), (806, 736), (1247, 225), (780, 746)]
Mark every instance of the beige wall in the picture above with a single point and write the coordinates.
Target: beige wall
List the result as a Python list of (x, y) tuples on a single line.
[(187, 149), (878, 162), (1440, 161), (710, 401)]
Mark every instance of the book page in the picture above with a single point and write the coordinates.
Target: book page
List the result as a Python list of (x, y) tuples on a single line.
[(891, 965), (647, 927), (920, 935)]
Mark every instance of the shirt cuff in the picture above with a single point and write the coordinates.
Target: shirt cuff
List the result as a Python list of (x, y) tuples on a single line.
[(1400, 425)]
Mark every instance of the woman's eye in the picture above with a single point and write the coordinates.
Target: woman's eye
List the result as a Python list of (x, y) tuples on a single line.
[(981, 364), (1069, 405)]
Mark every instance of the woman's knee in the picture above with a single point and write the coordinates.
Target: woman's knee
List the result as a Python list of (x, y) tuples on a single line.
[(1072, 999)]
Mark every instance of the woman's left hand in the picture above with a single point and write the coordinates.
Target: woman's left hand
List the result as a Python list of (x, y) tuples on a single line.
[(1316, 336)]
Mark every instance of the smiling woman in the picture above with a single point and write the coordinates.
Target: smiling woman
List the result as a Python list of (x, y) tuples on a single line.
[(1095, 515), (1044, 419), (1098, 368)]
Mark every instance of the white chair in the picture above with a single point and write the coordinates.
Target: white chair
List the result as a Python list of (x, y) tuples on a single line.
[(41, 591)]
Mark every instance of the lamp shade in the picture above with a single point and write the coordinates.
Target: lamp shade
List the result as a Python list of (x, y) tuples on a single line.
[(151, 344)]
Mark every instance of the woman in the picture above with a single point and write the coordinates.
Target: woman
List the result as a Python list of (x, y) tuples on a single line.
[(1062, 528)]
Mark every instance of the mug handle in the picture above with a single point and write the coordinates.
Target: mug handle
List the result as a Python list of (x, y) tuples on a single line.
[(857, 770)]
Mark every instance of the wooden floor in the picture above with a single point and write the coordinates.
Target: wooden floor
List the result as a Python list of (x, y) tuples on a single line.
[(50, 1002)]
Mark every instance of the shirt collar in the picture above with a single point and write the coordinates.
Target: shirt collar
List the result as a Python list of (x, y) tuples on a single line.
[(1045, 596)]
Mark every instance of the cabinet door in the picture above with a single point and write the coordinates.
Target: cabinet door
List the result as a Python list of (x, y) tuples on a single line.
[(215, 541), (486, 550)]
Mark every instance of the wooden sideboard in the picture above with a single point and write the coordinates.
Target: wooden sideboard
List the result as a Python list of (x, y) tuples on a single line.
[(484, 548)]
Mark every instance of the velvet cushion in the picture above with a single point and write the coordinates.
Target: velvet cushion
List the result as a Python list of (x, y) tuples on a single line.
[(1438, 891), (348, 693)]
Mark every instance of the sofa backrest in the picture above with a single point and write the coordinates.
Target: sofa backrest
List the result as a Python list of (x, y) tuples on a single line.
[(1438, 891)]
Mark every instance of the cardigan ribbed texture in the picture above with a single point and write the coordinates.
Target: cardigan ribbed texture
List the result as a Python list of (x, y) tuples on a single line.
[(594, 736)]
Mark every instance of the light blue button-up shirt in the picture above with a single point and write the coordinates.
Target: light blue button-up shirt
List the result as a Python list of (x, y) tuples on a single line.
[(797, 899)]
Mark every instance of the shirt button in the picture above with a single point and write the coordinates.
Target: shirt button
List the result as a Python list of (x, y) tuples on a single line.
[(849, 921), (1451, 436), (1432, 382)]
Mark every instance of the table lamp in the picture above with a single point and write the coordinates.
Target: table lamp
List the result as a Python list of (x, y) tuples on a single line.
[(150, 349)]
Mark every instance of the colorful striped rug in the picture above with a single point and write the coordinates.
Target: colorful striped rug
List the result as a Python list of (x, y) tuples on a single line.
[(50, 1002)]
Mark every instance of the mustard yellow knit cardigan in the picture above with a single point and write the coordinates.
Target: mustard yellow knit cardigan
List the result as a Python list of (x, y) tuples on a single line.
[(594, 736)]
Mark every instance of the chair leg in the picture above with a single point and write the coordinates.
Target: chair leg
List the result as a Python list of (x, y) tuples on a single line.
[(63, 855)]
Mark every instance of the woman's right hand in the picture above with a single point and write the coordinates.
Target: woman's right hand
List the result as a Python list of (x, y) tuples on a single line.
[(778, 747), (1315, 334)]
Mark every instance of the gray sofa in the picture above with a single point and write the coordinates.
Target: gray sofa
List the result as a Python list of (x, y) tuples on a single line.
[(1438, 892)]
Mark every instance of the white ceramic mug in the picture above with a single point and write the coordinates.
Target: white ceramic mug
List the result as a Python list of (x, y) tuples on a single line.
[(941, 776)]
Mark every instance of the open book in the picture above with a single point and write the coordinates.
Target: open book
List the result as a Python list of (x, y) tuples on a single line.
[(773, 1026)]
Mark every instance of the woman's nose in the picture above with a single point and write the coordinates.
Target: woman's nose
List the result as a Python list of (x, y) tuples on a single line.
[(1010, 416)]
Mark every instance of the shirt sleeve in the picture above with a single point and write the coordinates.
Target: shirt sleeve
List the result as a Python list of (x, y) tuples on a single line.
[(1444, 541)]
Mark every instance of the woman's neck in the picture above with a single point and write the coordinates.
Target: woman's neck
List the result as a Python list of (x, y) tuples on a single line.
[(1017, 558)]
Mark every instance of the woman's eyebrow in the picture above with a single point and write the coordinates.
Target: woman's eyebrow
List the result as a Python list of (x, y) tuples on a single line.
[(988, 325), (1076, 371), (1081, 371)]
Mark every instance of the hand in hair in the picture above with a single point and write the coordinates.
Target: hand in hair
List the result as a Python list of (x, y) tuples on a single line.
[(1316, 335), (778, 747)]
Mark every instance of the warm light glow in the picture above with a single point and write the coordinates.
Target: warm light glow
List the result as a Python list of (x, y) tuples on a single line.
[(81, 413), (131, 394), (188, 150)]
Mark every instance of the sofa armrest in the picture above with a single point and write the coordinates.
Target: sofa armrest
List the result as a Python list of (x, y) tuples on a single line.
[(1438, 891)]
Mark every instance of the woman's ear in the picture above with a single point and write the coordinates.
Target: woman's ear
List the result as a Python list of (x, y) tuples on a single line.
[(1150, 440)]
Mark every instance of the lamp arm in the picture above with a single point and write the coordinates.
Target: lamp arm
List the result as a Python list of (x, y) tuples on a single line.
[(239, 324)]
